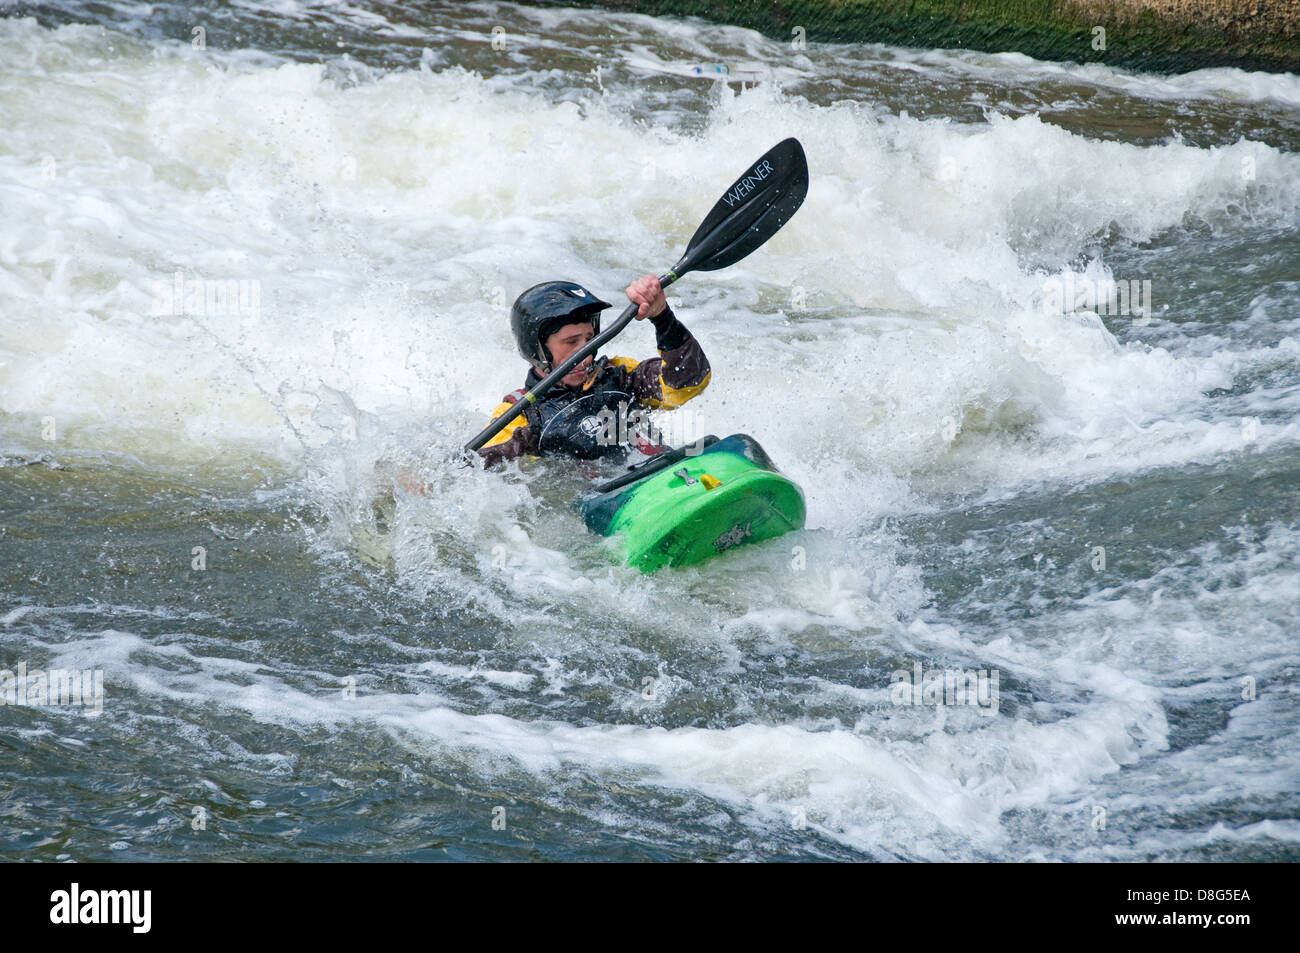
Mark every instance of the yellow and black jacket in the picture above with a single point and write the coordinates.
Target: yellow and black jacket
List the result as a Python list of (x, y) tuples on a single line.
[(573, 421)]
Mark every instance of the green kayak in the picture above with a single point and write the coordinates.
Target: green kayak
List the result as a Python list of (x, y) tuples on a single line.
[(677, 509)]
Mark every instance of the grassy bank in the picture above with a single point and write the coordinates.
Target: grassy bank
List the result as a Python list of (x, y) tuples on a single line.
[(1161, 35)]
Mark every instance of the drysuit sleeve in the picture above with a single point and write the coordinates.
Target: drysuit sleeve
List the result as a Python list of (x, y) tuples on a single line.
[(514, 440), (679, 372)]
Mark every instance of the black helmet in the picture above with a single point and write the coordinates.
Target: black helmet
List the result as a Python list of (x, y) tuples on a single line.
[(544, 308)]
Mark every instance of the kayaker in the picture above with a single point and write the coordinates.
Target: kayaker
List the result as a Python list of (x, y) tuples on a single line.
[(554, 319)]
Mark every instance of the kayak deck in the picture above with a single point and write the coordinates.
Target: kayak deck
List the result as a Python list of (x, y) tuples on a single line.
[(728, 495)]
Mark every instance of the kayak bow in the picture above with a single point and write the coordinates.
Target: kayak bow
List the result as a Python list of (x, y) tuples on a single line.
[(692, 508)]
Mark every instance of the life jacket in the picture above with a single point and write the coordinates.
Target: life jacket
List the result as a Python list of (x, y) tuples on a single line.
[(589, 422)]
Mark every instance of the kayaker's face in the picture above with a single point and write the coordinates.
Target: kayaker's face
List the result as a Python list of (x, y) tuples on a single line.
[(564, 342)]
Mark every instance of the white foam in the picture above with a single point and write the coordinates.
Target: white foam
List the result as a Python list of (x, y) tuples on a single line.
[(919, 789), (379, 250)]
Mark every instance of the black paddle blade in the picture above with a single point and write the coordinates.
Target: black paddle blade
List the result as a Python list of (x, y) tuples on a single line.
[(763, 199)]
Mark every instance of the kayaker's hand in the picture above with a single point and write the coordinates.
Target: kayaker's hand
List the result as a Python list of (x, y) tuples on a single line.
[(648, 293)]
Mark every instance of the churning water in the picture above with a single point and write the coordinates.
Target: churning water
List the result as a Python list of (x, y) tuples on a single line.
[(255, 266)]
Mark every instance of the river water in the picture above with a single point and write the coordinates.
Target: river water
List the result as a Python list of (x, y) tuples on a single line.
[(302, 661)]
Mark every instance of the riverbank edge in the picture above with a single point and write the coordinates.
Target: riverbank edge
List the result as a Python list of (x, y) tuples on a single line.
[(1165, 36)]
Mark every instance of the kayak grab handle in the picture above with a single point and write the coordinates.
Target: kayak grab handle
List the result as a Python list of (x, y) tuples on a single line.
[(657, 463)]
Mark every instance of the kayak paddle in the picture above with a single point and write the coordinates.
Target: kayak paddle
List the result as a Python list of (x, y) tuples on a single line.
[(758, 203)]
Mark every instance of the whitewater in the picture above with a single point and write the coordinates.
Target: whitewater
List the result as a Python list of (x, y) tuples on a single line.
[(247, 283)]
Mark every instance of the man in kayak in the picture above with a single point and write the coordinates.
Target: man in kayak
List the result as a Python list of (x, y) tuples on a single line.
[(554, 319)]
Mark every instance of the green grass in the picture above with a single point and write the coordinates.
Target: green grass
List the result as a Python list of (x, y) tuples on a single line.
[(1060, 30)]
